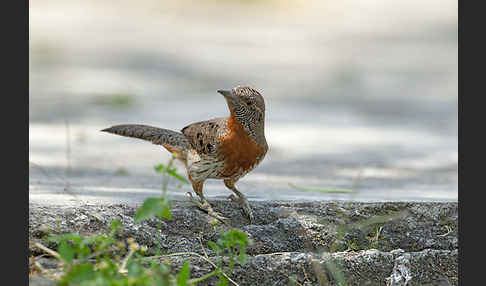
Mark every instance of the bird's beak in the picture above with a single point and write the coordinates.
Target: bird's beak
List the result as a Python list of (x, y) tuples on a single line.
[(228, 94)]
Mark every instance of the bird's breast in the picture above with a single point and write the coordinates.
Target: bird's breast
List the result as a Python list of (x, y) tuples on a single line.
[(239, 151)]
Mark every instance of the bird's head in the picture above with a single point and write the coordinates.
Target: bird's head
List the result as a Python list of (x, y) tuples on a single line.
[(247, 107), (245, 103)]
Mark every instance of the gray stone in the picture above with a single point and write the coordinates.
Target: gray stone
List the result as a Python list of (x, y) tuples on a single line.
[(311, 243)]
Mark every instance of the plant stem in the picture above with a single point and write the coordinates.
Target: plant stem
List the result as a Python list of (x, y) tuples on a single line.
[(232, 260), (48, 250), (125, 261), (166, 177), (159, 241), (202, 278)]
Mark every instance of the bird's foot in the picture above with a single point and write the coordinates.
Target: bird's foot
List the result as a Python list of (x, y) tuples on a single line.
[(232, 198), (204, 205), (246, 208), (244, 205)]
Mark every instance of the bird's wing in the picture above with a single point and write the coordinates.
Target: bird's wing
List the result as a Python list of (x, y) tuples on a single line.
[(204, 136)]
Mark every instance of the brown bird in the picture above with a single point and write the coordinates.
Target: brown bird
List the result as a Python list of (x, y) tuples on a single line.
[(222, 148)]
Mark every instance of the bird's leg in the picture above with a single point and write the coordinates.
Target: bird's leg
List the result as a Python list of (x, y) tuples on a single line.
[(230, 184), (202, 203)]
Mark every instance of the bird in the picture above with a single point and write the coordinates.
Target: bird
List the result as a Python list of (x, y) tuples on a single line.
[(224, 148)]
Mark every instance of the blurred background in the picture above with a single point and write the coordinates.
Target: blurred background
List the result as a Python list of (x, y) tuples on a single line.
[(360, 95)]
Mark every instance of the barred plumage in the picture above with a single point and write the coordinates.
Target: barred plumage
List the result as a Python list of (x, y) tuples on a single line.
[(155, 135), (221, 148)]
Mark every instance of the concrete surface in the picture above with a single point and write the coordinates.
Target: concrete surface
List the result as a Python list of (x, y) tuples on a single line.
[(368, 243)]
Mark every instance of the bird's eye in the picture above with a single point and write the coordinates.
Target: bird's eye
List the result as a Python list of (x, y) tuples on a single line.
[(248, 102), (210, 148)]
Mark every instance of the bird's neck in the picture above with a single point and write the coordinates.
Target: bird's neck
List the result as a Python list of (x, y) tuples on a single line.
[(255, 129)]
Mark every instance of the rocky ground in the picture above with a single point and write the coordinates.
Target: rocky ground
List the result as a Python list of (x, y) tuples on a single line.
[(308, 243)]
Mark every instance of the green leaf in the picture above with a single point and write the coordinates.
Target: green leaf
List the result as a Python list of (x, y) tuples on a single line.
[(184, 275), (174, 174), (242, 258), (214, 247), (222, 281), (134, 269), (92, 239), (66, 252), (160, 168), (153, 207), (79, 273), (115, 225), (65, 237), (165, 213)]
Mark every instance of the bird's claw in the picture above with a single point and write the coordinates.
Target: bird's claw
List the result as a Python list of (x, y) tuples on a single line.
[(244, 205), (246, 208), (204, 205)]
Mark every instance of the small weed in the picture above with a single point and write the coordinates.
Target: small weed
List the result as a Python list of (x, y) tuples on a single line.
[(376, 223), (102, 259), (232, 244), (97, 260), (160, 206), (353, 246), (374, 236)]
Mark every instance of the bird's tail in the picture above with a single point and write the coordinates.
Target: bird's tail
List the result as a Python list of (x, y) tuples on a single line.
[(171, 140)]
